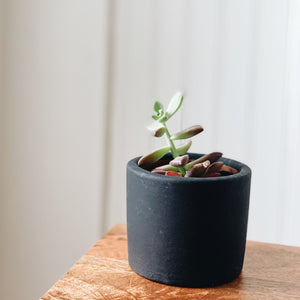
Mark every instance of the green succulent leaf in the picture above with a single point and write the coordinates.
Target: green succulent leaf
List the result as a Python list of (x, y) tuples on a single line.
[(158, 107), (174, 104), (157, 129), (166, 168), (184, 148), (187, 133), (164, 118), (153, 156)]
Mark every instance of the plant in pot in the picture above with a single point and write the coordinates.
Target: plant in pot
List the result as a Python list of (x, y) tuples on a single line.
[(187, 213)]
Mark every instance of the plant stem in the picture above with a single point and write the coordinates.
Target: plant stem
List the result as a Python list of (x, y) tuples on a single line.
[(170, 142), (173, 149)]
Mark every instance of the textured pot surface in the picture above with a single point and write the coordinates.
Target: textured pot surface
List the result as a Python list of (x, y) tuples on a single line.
[(187, 231)]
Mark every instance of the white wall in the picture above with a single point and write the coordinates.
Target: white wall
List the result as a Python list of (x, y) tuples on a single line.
[(52, 128), (79, 79), (238, 64)]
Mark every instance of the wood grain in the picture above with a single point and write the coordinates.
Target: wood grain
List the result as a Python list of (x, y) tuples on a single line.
[(270, 272)]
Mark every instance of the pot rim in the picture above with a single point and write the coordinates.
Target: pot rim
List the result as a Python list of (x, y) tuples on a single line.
[(243, 169)]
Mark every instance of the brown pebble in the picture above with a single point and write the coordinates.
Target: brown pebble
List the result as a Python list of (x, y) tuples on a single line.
[(180, 161), (229, 169), (214, 167), (198, 170)]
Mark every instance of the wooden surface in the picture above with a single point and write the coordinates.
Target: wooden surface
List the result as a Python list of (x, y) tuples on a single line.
[(270, 272)]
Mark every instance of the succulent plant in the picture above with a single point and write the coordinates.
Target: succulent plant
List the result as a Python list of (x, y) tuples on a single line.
[(181, 165)]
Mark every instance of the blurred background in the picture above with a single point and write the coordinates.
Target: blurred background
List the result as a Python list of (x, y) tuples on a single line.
[(77, 84)]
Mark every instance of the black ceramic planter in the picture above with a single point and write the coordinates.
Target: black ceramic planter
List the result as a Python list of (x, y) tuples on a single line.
[(188, 232)]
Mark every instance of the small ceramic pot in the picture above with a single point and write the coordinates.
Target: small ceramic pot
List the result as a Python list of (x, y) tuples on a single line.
[(188, 232)]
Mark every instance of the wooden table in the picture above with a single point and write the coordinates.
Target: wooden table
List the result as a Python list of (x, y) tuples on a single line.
[(270, 272)]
